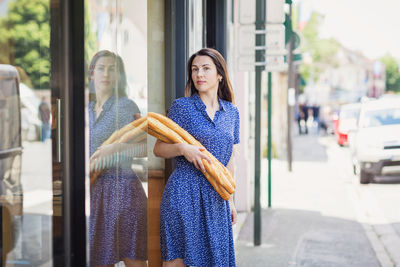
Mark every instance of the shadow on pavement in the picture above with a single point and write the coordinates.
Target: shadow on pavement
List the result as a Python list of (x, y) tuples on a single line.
[(304, 238)]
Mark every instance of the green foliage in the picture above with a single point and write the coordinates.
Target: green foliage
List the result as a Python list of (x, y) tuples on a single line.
[(90, 37), (392, 73), (321, 51), (25, 39)]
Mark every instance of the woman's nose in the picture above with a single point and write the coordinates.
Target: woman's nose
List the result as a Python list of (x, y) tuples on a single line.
[(200, 73), (106, 73)]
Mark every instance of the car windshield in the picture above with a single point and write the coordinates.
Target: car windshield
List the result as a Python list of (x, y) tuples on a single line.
[(374, 118), (349, 113)]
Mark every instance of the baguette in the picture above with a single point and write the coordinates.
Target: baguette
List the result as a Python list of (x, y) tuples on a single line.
[(128, 136), (226, 177), (158, 136), (176, 137), (118, 134)]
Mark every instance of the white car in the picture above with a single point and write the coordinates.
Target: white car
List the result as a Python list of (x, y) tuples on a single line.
[(375, 144)]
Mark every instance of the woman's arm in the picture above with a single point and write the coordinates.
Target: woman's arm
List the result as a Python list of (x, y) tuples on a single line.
[(231, 169), (192, 153)]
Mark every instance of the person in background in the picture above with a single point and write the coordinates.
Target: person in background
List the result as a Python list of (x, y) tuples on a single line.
[(44, 116)]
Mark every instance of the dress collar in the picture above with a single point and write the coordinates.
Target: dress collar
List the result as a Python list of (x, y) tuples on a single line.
[(106, 106), (200, 104)]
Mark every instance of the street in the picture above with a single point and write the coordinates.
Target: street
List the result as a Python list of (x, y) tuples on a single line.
[(321, 215)]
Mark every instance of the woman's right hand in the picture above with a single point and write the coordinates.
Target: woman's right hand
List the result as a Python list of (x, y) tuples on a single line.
[(194, 155)]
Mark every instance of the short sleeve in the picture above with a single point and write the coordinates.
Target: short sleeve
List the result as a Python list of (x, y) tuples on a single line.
[(236, 131), (175, 113)]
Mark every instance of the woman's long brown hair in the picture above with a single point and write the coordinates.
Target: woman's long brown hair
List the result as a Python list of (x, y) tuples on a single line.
[(225, 91)]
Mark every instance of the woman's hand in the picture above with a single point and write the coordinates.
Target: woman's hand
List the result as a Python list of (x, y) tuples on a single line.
[(233, 211), (194, 155), (105, 151)]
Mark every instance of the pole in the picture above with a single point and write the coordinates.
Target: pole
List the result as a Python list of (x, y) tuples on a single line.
[(260, 40), (290, 85), (269, 136)]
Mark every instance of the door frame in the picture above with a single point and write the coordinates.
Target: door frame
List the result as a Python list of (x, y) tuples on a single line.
[(68, 85)]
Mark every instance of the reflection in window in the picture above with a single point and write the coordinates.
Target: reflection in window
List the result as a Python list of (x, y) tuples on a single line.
[(25, 165), (117, 90)]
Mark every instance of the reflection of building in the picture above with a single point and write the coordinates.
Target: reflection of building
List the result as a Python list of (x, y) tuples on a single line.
[(125, 33)]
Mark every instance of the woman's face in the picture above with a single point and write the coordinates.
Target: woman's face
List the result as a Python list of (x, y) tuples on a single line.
[(104, 75), (204, 74)]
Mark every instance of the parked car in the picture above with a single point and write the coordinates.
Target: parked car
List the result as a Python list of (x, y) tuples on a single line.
[(375, 144), (346, 121), (10, 159), (10, 131)]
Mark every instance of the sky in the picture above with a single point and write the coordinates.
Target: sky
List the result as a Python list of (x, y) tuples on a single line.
[(370, 26)]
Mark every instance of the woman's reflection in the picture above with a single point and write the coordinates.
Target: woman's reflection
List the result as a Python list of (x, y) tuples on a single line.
[(118, 203)]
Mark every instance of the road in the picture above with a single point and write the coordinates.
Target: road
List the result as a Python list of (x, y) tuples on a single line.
[(321, 215)]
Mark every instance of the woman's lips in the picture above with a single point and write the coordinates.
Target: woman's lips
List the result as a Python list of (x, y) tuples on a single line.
[(201, 82)]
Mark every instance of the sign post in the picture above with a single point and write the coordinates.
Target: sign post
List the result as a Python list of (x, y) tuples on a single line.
[(261, 42)]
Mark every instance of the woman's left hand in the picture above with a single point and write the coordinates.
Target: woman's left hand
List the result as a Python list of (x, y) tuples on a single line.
[(233, 212)]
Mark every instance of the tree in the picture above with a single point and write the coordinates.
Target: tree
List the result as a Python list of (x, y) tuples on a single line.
[(25, 39), (392, 73), (321, 51)]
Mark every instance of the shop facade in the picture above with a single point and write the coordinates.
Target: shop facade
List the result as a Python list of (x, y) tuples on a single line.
[(46, 213)]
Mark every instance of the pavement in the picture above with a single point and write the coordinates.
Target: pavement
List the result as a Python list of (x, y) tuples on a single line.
[(320, 216)]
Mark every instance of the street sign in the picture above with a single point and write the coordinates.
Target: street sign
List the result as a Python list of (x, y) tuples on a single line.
[(245, 63), (272, 63), (246, 40), (275, 63), (275, 39), (247, 12), (275, 11)]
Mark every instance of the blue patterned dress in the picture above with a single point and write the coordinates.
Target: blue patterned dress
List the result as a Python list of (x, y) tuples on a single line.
[(195, 221), (118, 203)]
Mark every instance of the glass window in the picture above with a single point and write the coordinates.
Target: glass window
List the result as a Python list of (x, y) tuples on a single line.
[(116, 53), (25, 135), (195, 34)]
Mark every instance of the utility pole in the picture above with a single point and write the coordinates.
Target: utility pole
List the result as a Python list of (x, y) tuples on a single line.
[(259, 57), (291, 84)]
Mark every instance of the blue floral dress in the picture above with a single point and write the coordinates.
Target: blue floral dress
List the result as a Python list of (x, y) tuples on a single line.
[(118, 203), (195, 221)]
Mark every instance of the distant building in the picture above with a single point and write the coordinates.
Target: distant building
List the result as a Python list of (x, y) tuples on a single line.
[(350, 77)]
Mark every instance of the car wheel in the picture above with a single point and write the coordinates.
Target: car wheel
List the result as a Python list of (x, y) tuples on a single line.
[(365, 177)]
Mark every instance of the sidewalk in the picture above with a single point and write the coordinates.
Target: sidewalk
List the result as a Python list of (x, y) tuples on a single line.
[(313, 221)]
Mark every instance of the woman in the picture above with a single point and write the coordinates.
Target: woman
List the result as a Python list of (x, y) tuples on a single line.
[(118, 204), (196, 223)]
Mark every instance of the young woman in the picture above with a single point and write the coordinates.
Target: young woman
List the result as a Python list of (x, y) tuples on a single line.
[(196, 223), (118, 204)]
